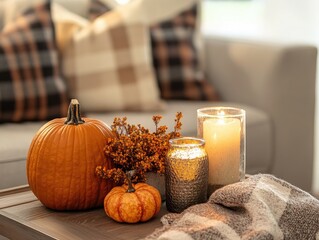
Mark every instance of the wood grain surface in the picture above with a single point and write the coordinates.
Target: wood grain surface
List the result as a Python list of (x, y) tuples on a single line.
[(22, 216)]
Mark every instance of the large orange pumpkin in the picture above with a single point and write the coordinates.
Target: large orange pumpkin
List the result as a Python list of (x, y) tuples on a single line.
[(62, 159), (132, 204)]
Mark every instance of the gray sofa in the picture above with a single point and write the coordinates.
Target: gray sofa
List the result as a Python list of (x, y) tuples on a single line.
[(275, 84)]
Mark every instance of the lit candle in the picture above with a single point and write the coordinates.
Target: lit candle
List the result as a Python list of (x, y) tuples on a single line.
[(222, 137), (224, 131)]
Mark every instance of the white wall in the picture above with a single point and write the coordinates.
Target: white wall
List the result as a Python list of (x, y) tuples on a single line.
[(294, 21), (233, 18), (266, 20)]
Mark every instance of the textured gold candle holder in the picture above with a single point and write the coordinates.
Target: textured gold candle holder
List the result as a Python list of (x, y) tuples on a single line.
[(186, 173)]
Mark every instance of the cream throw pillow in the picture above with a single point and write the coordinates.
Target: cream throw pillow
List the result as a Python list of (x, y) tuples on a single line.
[(107, 62)]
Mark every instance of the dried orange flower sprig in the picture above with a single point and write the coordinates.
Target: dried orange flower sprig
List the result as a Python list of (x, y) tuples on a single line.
[(136, 148)]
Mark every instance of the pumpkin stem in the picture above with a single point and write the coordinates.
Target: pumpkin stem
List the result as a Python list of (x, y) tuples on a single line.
[(129, 176), (74, 114)]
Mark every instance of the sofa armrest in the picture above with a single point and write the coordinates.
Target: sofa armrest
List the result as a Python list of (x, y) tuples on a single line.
[(279, 79)]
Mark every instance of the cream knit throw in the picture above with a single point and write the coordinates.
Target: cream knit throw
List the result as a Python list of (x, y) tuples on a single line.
[(260, 207)]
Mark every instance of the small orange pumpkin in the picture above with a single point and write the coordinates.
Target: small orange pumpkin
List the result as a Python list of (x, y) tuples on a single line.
[(62, 159), (132, 204)]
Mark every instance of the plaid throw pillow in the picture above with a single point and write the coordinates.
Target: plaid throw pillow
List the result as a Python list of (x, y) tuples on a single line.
[(30, 84), (176, 59), (108, 66)]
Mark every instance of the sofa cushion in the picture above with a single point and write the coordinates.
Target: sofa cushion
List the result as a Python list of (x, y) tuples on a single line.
[(30, 84), (16, 138), (107, 63)]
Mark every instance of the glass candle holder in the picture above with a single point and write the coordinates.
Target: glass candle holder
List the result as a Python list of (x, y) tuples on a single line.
[(224, 131), (186, 173)]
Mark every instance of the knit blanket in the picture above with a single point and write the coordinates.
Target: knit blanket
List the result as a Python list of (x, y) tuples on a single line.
[(260, 207)]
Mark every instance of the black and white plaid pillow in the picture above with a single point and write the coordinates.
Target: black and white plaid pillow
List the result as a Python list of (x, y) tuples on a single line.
[(30, 84)]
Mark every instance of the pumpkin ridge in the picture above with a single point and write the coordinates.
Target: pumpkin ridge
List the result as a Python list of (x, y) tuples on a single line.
[(71, 134), (86, 138), (64, 194), (147, 188), (58, 202), (55, 170), (118, 207), (53, 164), (84, 180), (34, 164), (74, 181), (48, 135), (155, 209), (141, 204), (108, 198)]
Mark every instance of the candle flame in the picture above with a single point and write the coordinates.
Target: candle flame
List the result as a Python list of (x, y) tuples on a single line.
[(221, 115)]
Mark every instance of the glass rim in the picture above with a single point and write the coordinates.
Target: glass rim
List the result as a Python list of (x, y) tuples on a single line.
[(241, 112), (182, 142)]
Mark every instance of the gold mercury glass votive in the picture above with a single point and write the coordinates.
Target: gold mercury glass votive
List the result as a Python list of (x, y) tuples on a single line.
[(223, 129), (186, 173)]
